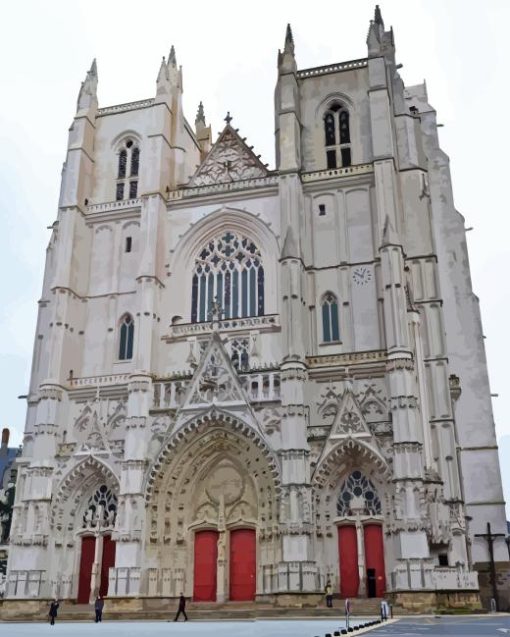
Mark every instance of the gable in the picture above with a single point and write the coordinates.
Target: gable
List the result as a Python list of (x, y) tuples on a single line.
[(230, 159)]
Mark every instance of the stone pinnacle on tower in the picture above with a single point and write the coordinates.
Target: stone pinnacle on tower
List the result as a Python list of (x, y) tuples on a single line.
[(88, 89), (289, 40), (200, 118), (378, 16), (172, 58), (163, 72)]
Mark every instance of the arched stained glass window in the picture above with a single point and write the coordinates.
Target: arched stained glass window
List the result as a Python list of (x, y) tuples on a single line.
[(101, 508), (228, 273), (129, 154), (337, 136), (127, 334), (358, 492), (330, 327)]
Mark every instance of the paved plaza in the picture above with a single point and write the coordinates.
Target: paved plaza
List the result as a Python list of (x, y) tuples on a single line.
[(492, 625)]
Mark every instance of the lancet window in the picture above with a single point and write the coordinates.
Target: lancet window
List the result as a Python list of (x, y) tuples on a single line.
[(330, 326), (228, 280), (126, 337), (337, 136), (127, 181), (358, 493), (101, 509)]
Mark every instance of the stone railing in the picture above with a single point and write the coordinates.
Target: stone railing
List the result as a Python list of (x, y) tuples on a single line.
[(121, 108), (114, 205), (244, 184), (452, 578), (94, 381), (259, 387), (349, 171), (269, 321), (333, 68)]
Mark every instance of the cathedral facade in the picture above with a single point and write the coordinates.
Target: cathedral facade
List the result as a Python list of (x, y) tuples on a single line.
[(249, 382)]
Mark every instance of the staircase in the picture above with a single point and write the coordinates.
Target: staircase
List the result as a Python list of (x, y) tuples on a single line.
[(165, 609)]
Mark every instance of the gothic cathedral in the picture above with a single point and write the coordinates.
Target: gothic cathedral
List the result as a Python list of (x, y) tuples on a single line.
[(247, 382)]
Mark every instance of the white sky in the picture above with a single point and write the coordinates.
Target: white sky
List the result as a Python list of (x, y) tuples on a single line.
[(228, 53)]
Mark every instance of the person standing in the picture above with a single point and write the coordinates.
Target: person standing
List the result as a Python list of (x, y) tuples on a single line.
[(98, 607), (384, 610), (182, 608), (347, 612), (53, 611), (329, 594)]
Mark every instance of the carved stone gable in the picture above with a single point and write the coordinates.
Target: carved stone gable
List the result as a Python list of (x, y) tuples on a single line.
[(215, 383), (230, 159), (349, 419)]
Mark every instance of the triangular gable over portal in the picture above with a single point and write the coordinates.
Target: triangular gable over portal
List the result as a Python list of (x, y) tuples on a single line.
[(230, 159), (215, 383)]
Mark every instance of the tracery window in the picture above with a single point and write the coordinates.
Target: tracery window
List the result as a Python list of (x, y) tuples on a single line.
[(330, 327), (129, 155), (358, 492), (126, 337), (101, 508), (239, 353), (228, 278), (337, 136)]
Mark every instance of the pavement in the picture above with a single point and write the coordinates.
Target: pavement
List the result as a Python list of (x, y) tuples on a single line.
[(489, 625), (486, 625)]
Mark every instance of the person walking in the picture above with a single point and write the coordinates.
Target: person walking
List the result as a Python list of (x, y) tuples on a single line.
[(182, 608), (53, 611), (98, 607), (384, 610), (329, 594)]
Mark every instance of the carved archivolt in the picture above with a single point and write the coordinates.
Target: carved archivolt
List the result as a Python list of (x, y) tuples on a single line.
[(215, 472), (75, 490)]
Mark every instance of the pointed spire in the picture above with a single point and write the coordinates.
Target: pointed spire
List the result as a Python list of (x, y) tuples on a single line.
[(163, 72), (88, 90), (378, 16), (289, 40), (172, 59), (200, 118)]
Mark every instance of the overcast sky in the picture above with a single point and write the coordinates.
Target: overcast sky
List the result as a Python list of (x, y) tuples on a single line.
[(228, 53)]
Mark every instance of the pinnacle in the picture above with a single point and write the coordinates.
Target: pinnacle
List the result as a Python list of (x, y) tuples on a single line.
[(200, 114), (93, 68), (378, 16), (289, 39), (172, 59)]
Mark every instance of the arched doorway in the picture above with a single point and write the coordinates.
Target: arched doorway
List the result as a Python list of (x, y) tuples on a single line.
[(215, 500), (349, 486)]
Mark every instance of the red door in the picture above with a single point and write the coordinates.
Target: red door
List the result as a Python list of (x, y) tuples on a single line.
[(206, 559), (374, 556), (348, 554), (243, 564), (88, 550), (107, 563)]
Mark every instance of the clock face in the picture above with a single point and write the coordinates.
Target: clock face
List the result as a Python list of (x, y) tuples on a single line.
[(361, 275)]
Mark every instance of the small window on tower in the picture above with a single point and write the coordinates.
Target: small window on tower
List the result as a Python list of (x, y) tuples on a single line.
[(322, 209), (133, 188), (119, 194), (331, 157), (129, 244), (443, 559)]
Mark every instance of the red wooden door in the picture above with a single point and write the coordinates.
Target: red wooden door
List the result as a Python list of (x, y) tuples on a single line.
[(374, 556), (88, 550), (108, 561), (348, 554), (206, 560), (243, 565)]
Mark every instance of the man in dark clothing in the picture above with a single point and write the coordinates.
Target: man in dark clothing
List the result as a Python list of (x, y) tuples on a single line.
[(53, 611), (182, 608), (98, 607)]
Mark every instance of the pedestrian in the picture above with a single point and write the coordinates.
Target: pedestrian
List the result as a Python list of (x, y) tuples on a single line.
[(347, 612), (384, 610), (53, 611), (98, 607), (182, 608), (329, 594)]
